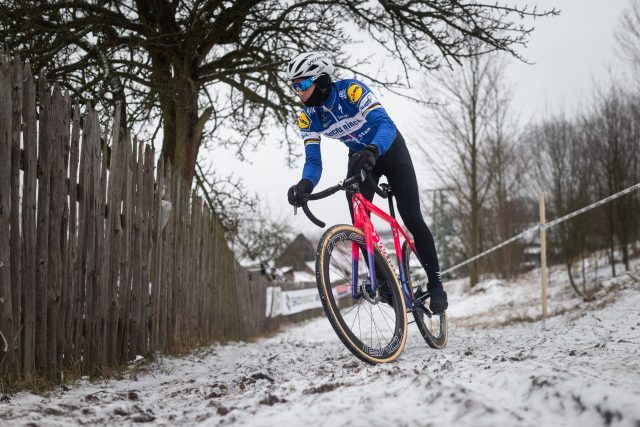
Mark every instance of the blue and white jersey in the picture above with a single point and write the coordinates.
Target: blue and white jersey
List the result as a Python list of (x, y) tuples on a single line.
[(351, 114)]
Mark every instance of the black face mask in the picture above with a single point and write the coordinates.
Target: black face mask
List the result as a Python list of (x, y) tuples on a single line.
[(321, 92)]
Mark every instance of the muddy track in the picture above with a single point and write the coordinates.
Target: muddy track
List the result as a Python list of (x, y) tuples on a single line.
[(581, 368)]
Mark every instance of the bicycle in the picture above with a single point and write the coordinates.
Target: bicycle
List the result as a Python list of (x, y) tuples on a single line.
[(375, 289)]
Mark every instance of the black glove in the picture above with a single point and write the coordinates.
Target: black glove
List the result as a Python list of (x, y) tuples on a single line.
[(299, 192), (364, 159)]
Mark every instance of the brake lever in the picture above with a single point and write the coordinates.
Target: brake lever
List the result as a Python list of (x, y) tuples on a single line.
[(295, 205)]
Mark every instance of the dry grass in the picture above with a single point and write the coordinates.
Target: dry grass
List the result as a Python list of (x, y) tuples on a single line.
[(39, 384)]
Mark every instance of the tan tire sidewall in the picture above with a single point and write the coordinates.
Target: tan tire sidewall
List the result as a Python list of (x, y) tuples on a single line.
[(322, 251)]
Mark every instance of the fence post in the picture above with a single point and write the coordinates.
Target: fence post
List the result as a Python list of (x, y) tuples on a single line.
[(543, 256)]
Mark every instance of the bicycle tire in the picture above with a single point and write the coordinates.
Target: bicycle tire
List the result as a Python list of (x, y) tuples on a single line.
[(433, 327), (335, 280)]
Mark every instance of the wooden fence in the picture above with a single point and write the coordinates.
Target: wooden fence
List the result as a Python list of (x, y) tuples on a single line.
[(89, 278)]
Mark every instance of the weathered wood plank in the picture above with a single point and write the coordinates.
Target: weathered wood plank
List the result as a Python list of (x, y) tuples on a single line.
[(29, 137), (156, 272), (219, 286), (74, 315), (177, 266), (92, 143), (169, 260), (83, 247), (102, 258), (207, 316), (186, 264), (206, 267), (205, 264), (16, 238), (42, 244), (146, 249), (65, 301), (196, 297), (137, 254), (85, 244), (197, 268), (126, 248), (110, 242), (7, 322), (55, 230)]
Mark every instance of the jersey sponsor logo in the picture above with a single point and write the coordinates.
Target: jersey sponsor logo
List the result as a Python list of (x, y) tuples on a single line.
[(354, 92), (343, 127), (303, 121)]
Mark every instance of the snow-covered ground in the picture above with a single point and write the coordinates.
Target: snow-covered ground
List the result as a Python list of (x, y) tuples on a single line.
[(503, 366)]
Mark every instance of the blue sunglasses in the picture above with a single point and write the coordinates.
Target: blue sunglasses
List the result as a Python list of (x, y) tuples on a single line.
[(303, 84)]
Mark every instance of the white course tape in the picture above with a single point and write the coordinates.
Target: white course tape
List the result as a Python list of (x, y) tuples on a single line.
[(545, 226)]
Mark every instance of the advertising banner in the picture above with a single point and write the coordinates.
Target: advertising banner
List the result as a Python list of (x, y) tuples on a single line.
[(281, 302)]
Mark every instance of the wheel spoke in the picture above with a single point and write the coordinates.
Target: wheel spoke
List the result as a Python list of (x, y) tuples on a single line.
[(351, 309), (384, 316), (374, 323)]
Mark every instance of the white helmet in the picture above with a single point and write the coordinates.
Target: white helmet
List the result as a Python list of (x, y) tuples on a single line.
[(309, 64)]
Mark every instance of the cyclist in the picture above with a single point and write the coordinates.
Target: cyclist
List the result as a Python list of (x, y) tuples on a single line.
[(347, 110)]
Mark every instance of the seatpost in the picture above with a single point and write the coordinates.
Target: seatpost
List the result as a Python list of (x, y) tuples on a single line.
[(387, 189), (391, 210)]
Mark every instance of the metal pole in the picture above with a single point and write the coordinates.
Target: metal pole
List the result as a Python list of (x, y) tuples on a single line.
[(543, 256)]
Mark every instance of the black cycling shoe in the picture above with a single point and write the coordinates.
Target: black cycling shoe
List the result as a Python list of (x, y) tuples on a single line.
[(438, 301)]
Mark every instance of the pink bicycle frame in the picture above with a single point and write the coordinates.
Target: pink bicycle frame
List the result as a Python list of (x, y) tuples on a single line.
[(361, 209)]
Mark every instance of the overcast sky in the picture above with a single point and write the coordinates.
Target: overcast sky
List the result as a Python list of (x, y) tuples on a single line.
[(570, 53)]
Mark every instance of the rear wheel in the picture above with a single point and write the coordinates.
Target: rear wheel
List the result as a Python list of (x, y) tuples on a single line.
[(433, 327), (373, 326)]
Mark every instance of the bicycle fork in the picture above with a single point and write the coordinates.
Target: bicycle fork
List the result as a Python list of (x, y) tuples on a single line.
[(361, 221), (355, 251), (406, 292), (371, 239)]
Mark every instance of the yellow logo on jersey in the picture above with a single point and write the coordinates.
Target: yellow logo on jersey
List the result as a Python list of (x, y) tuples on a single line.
[(354, 92), (303, 121)]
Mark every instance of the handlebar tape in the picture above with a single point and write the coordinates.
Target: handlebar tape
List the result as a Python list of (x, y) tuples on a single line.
[(311, 217), (332, 190)]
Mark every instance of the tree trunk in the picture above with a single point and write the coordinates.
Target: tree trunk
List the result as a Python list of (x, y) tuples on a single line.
[(569, 263), (612, 247), (183, 127)]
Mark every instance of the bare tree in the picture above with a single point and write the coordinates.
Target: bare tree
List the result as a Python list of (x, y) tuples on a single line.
[(507, 212), (562, 166), (261, 239), (227, 197), (628, 33), (613, 131), (473, 129), (185, 66)]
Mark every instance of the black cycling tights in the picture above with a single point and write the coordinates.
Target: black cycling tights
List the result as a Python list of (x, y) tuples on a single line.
[(396, 165)]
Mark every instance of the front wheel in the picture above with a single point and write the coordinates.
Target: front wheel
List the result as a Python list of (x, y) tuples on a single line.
[(371, 324), (433, 327)]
